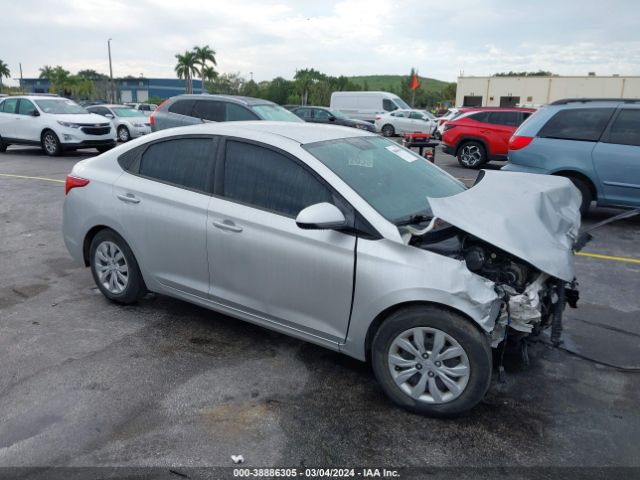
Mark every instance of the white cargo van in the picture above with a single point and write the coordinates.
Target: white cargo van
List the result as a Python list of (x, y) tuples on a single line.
[(366, 105)]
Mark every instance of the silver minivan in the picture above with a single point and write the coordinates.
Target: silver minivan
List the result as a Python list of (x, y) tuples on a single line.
[(194, 109), (336, 236)]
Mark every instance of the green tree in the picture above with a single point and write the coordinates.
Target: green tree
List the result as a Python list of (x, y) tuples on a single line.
[(186, 68), (4, 72), (90, 74), (59, 81), (204, 55), (45, 72), (449, 92), (305, 79)]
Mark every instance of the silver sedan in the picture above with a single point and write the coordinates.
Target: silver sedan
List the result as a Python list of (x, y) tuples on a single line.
[(128, 122), (336, 236)]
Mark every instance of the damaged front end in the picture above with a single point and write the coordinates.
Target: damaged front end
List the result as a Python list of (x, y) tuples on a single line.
[(517, 230)]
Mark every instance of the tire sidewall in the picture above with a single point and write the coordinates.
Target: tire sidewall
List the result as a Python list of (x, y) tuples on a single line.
[(473, 341), (58, 150), (388, 130), (482, 150), (122, 128), (135, 287), (585, 192)]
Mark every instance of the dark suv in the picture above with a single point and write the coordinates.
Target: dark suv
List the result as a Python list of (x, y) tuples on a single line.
[(192, 109), (481, 135)]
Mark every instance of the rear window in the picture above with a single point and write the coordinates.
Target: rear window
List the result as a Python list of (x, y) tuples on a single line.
[(585, 124), (626, 128), (182, 107)]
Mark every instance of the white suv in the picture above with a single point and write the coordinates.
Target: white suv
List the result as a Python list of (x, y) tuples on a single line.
[(55, 123)]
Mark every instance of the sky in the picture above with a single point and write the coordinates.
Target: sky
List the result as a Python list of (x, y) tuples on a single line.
[(440, 39)]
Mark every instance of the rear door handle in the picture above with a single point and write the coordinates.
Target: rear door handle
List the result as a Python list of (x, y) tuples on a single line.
[(129, 198), (227, 225)]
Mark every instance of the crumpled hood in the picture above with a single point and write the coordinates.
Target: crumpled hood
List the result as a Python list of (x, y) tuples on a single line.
[(534, 217)]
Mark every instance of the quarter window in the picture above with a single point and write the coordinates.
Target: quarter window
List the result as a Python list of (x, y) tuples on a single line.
[(584, 124), (480, 117), (626, 128), (182, 107), (303, 112), (266, 179), (209, 110), (183, 162)]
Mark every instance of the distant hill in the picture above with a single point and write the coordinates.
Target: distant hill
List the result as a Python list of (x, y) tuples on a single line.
[(393, 82)]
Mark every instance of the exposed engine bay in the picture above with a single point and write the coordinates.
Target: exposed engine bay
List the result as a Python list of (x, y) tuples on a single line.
[(532, 300)]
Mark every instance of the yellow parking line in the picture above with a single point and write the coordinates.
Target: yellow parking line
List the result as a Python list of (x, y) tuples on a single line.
[(32, 178), (608, 257)]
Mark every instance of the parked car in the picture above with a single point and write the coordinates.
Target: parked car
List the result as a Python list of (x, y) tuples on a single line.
[(128, 122), (450, 114), (56, 124), (479, 136), (328, 116), (400, 122), (365, 105), (329, 234), (192, 109), (146, 108), (595, 143)]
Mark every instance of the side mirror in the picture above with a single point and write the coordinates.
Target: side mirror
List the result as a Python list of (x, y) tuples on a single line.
[(35, 113), (332, 118), (108, 115), (321, 216)]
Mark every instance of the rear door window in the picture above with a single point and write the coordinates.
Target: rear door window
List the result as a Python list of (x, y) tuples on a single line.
[(182, 107), (510, 119), (211, 110), (9, 105), (320, 114), (416, 116), (238, 113), (585, 124), (183, 162), (480, 117), (265, 179), (303, 113), (625, 129)]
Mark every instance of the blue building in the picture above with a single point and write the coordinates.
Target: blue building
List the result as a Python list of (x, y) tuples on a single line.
[(128, 89)]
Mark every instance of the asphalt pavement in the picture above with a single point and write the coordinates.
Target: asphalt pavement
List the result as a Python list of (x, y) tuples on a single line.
[(164, 383)]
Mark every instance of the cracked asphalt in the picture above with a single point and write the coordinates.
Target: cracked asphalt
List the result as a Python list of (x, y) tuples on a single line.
[(164, 383)]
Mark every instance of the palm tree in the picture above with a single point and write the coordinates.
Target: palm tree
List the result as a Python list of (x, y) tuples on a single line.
[(45, 72), (203, 55), (186, 68), (4, 72), (209, 75)]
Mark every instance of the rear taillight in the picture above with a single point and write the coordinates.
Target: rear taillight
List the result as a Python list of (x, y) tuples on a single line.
[(151, 119), (448, 126), (74, 182), (516, 142), (377, 117)]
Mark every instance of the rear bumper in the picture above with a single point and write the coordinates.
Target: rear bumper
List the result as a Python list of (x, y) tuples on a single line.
[(448, 149)]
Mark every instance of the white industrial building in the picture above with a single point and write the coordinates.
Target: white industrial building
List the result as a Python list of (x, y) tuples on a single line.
[(536, 91)]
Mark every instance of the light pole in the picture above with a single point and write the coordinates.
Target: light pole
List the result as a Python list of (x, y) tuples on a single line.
[(111, 91)]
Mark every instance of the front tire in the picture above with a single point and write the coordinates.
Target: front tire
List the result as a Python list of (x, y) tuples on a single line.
[(432, 361), (123, 134), (115, 269), (388, 130), (51, 144), (472, 155)]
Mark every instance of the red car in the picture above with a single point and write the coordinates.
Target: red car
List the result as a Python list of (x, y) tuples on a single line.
[(482, 134)]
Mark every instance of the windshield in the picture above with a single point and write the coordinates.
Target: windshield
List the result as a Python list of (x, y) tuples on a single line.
[(59, 106), (127, 112), (393, 180), (275, 112), (401, 103)]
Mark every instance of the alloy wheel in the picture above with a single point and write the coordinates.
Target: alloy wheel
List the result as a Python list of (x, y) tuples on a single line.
[(123, 134), (111, 267), (471, 155), (50, 143), (429, 365)]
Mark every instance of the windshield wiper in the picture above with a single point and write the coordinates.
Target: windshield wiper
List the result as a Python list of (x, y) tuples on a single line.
[(413, 219)]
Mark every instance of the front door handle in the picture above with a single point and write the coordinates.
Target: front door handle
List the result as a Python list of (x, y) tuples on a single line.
[(129, 198), (227, 225)]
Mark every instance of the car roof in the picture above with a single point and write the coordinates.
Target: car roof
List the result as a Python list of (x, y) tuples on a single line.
[(228, 98), (301, 133)]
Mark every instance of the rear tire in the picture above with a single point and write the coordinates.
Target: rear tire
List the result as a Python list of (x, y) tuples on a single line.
[(450, 369), (115, 269), (585, 191), (388, 130), (472, 155), (51, 144), (3, 146)]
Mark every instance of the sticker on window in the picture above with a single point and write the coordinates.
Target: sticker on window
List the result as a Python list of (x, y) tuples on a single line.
[(360, 162), (402, 153)]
